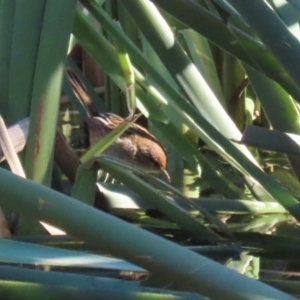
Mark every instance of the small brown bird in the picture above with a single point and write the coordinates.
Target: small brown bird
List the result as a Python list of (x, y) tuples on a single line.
[(135, 146)]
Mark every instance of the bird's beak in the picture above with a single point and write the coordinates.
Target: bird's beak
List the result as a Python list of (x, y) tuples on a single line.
[(166, 174)]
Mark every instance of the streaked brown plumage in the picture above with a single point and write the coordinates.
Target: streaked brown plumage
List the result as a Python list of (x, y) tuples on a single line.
[(135, 146)]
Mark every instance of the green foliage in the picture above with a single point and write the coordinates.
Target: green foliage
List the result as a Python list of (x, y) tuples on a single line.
[(199, 72)]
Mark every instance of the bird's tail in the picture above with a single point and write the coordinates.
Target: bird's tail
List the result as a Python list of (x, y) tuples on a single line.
[(81, 93)]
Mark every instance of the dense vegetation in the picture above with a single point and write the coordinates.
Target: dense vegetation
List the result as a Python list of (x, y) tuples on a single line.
[(217, 82)]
